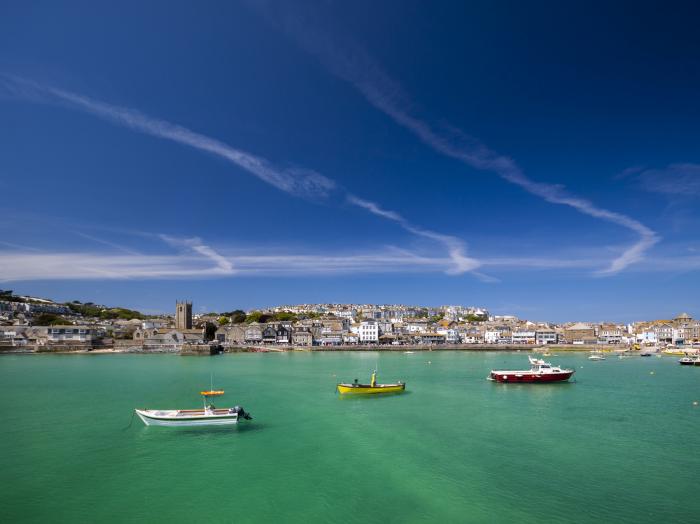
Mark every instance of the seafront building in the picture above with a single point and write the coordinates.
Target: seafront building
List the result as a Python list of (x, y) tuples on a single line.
[(319, 325)]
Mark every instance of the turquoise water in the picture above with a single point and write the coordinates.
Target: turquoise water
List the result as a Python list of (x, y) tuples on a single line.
[(618, 445)]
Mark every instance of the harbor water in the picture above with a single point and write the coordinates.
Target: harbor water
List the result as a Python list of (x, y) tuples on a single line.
[(617, 444)]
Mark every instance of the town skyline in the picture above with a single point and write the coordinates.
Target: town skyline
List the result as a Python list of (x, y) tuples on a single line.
[(264, 153), (36, 324), (329, 308)]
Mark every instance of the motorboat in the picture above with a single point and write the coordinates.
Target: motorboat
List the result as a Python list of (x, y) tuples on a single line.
[(689, 361), (355, 388), (207, 416), (596, 356), (539, 372)]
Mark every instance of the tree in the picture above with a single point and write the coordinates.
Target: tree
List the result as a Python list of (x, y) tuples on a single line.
[(49, 319), (209, 331), (223, 321), (285, 316), (6, 294), (119, 312), (238, 316), (257, 316)]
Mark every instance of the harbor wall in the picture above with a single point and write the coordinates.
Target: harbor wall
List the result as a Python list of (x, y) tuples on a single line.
[(131, 346), (436, 347)]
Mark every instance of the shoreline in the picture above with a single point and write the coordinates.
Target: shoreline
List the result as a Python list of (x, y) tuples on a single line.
[(330, 349)]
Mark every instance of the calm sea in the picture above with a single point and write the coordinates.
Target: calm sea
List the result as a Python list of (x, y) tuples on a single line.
[(620, 444)]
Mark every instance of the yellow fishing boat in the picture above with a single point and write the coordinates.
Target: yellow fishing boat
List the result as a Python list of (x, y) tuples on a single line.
[(370, 389)]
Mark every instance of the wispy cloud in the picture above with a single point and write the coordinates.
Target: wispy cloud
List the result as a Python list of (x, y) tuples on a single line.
[(677, 180), (352, 63), (224, 265), (29, 266), (296, 181), (18, 247), (299, 182), (456, 248), (104, 242), (375, 209), (195, 261)]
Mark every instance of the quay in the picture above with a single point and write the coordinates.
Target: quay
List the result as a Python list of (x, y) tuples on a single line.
[(207, 349)]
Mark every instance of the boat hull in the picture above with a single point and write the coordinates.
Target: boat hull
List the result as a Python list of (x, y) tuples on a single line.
[(530, 377), (168, 418), (366, 389)]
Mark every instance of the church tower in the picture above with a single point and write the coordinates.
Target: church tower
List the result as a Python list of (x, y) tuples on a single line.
[(183, 315)]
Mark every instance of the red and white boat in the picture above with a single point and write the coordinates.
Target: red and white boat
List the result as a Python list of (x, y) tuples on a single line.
[(540, 371)]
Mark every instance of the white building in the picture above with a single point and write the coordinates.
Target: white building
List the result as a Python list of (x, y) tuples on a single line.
[(546, 336), (350, 338), (417, 326), (523, 337), (648, 336), (664, 333), (69, 334), (368, 331), (451, 335), (608, 335), (492, 337), (345, 313)]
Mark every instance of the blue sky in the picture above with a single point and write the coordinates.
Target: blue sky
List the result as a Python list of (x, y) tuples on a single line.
[(539, 159)]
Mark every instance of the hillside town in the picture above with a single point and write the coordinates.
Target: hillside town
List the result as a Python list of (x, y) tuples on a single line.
[(38, 324)]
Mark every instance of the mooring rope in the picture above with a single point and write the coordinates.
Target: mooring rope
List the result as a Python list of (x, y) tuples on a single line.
[(131, 421)]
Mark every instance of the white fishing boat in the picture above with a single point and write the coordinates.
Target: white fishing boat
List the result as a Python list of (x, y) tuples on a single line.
[(596, 355), (207, 416)]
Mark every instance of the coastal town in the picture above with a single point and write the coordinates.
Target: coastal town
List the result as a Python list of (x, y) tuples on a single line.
[(32, 324)]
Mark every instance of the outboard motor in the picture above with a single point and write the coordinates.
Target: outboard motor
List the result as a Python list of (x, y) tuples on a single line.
[(242, 413)]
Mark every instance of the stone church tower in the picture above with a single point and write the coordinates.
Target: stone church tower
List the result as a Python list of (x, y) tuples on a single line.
[(183, 315)]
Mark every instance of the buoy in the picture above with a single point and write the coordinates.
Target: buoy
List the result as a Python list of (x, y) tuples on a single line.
[(651, 372), (429, 362), (695, 402)]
